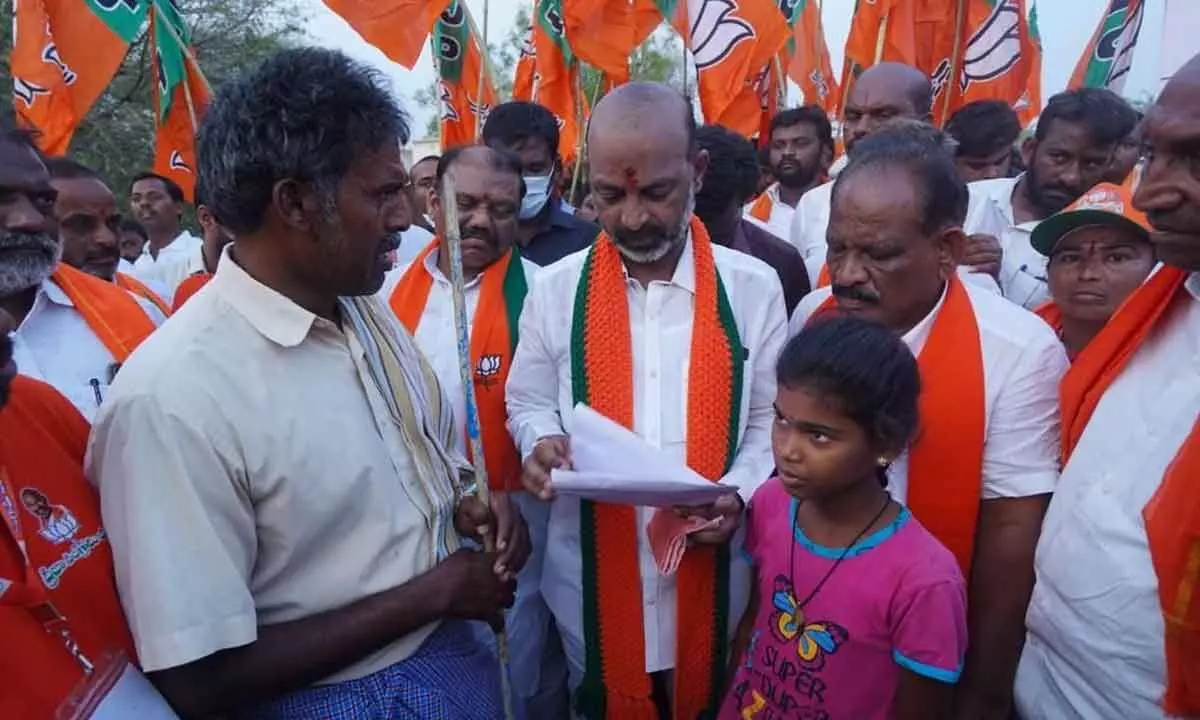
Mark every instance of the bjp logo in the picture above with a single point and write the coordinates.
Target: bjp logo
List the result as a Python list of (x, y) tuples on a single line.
[(487, 369)]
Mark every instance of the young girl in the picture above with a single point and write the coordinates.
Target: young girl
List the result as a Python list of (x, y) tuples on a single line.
[(857, 612)]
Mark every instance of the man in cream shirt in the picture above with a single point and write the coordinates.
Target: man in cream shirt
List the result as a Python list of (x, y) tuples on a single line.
[(171, 252), (277, 468), (644, 171)]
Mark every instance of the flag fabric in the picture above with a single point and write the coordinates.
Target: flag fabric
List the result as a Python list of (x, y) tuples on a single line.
[(180, 97), (525, 77), (997, 54), (730, 41), (751, 111), (1029, 105), (879, 30), (806, 57), (605, 33), (65, 52), (460, 66), (398, 28), (1107, 57), (556, 75)]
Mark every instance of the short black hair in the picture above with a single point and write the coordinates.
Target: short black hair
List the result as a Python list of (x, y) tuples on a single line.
[(64, 168), (128, 224), (304, 114), (810, 114), (732, 174), (863, 367), (923, 151), (173, 190), (984, 128), (499, 160), (509, 123), (1105, 115)]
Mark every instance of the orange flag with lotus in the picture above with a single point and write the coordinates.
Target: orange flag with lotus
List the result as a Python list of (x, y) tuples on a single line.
[(806, 57), (460, 66), (180, 97), (65, 53), (399, 28), (997, 53)]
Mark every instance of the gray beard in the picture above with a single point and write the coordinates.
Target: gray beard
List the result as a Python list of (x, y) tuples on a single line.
[(653, 255), (29, 258)]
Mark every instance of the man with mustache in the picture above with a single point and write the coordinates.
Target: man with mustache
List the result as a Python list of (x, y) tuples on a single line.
[(885, 93), (1114, 623), (667, 333), (282, 464), (488, 190), (157, 203), (799, 152), (1069, 152), (981, 471), (89, 226), (73, 329)]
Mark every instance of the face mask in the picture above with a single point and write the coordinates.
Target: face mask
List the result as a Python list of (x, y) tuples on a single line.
[(537, 192)]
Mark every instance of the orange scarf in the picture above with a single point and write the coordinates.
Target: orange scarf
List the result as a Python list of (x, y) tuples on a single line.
[(615, 683), (1050, 312), (502, 290), (761, 208), (823, 279), (135, 286), (1173, 514), (945, 462), (116, 319), (189, 287)]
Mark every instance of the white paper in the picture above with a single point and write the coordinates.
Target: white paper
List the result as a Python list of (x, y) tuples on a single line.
[(612, 464), (133, 697)]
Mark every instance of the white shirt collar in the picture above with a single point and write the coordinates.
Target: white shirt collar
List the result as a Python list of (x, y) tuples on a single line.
[(274, 316), (685, 270), (915, 338)]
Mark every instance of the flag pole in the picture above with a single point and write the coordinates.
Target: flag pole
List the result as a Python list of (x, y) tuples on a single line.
[(485, 61), (187, 51), (955, 60), (577, 77), (458, 295)]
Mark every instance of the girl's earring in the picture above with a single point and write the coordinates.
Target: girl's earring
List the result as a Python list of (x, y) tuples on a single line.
[(883, 461)]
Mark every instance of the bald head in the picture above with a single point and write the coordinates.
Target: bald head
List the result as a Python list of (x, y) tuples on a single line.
[(644, 169), (883, 92), (1171, 198)]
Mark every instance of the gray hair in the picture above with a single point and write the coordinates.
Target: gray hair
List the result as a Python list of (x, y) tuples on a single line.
[(304, 114)]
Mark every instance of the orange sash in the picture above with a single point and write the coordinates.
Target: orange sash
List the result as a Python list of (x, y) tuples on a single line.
[(502, 290), (189, 287), (945, 462), (823, 279), (116, 319), (761, 208), (137, 287), (1050, 312), (615, 683), (1173, 514)]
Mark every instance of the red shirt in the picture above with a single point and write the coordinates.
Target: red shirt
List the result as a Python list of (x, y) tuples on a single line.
[(42, 442)]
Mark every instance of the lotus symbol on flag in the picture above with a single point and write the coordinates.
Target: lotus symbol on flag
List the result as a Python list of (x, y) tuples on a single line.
[(487, 369), (177, 163), (818, 81), (50, 55), (996, 45), (527, 49), (27, 92), (449, 114), (1117, 46), (715, 31)]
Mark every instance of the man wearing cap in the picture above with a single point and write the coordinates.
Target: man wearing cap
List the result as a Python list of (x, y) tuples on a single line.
[(1099, 252)]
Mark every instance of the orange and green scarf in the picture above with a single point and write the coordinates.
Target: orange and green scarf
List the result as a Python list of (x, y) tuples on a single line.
[(615, 683), (116, 319), (502, 290)]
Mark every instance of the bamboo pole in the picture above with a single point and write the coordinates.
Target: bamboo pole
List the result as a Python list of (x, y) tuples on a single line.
[(458, 294), (485, 58), (955, 60), (187, 51)]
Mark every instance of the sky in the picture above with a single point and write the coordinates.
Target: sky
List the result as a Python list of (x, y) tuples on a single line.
[(1066, 26)]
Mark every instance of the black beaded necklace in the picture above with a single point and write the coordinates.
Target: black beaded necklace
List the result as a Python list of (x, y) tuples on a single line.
[(845, 551)]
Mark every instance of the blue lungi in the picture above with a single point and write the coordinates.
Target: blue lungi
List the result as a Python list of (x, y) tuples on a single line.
[(450, 677)]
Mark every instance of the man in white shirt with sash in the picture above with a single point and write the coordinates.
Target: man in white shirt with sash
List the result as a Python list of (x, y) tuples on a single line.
[(981, 471), (666, 333)]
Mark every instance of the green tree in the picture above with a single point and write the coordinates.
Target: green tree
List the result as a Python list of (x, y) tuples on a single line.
[(117, 136)]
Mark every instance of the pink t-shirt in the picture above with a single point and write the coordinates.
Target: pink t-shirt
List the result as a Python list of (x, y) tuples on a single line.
[(896, 601)]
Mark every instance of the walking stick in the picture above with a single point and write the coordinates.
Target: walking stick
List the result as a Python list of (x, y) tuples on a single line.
[(454, 245)]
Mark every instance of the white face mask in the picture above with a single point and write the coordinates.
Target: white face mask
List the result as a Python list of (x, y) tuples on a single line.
[(537, 192)]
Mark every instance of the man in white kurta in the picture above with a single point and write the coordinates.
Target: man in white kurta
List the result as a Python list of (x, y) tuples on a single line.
[(1095, 647), (643, 178)]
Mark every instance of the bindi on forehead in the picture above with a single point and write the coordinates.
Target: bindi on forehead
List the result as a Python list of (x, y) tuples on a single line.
[(631, 179)]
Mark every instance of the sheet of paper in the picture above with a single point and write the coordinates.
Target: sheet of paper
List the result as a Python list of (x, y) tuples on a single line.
[(612, 464)]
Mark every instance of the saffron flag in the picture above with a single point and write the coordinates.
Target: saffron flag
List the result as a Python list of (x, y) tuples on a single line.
[(1106, 59), (525, 78), (180, 97), (65, 52), (806, 57), (730, 43), (605, 33), (397, 27), (462, 77), (751, 111), (879, 30), (997, 53), (557, 75), (1030, 103)]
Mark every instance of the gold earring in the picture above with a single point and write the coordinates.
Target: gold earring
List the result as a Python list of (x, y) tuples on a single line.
[(882, 461)]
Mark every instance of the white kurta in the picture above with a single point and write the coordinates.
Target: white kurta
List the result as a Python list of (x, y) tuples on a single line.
[(1095, 644), (540, 404), (779, 223), (1023, 269)]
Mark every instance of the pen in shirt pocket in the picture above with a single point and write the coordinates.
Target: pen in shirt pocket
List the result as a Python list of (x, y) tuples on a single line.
[(96, 391)]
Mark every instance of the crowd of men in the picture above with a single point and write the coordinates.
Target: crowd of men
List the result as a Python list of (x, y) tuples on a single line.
[(238, 462)]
